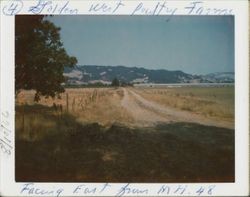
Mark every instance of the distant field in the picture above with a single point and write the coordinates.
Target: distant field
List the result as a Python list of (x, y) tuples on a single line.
[(127, 135), (217, 102)]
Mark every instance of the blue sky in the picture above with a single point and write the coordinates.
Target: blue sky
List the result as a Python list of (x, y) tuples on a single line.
[(193, 44)]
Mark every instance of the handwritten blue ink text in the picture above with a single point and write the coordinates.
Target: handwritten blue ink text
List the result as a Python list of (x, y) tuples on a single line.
[(106, 8), (31, 189), (198, 8), (5, 137), (159, 8), (13, 8), (52, 7), (127, 190)]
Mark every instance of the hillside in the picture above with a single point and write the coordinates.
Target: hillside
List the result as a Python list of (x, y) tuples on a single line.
[(90, 74)]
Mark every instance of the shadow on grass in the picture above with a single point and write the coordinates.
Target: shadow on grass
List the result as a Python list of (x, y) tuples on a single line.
[(72, 152)]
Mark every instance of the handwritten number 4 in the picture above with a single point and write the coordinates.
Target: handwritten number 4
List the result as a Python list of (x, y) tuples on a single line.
[(13, 8), (202, 189)]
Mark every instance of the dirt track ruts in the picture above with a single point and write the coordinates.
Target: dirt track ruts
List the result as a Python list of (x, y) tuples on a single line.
[(148, 113)]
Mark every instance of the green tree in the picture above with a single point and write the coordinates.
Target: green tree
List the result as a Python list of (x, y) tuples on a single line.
[(39, 56), (115, 82)]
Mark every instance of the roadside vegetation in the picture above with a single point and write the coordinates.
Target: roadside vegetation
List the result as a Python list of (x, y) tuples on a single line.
[(55, 147), (87, 105)]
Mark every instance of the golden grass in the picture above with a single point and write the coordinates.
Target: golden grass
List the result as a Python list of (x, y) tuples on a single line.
[(217, 102), (103, 105), (88, 105)]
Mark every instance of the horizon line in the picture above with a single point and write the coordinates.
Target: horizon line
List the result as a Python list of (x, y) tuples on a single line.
[(80, 65)]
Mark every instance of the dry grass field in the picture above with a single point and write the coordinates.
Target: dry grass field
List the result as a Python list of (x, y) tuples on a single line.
[(107, 106), (89, 104), (215, 102), (126, 135)]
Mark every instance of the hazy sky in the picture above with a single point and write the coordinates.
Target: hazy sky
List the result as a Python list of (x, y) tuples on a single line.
[(193, 44)]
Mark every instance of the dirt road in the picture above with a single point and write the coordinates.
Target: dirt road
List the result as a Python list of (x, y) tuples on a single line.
[(148, 113)]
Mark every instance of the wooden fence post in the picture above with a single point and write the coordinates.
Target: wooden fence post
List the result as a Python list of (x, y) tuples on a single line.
[(67, 102), (73, 105), (23, 118)]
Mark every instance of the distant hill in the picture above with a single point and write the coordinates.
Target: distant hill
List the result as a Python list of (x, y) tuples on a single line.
[(90, 74), (219, 77)]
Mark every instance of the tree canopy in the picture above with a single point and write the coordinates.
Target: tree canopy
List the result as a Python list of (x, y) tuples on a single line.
[(115, 82), (40, 57)]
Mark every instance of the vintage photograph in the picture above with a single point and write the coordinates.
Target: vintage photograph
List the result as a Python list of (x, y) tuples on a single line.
[(138, 99)]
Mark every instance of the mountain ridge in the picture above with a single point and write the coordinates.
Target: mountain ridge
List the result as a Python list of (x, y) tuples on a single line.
[(87, 74)]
